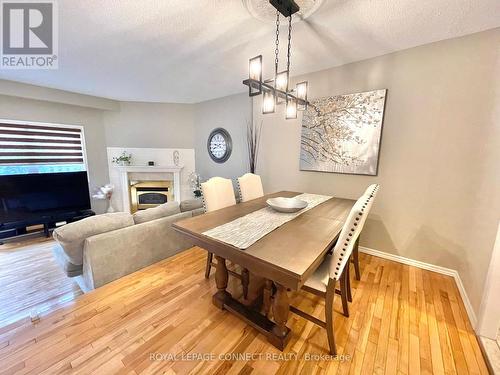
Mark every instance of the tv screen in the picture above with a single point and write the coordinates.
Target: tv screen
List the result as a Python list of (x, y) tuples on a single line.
[(31, 196)]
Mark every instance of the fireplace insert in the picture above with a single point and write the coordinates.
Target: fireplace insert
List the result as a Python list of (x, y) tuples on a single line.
[(151, 197), (147, 194)]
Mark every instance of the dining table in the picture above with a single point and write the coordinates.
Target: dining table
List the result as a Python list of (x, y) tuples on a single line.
[(283, 259)]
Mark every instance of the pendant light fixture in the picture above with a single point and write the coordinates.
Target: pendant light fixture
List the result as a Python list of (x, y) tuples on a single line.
[(277, 90)]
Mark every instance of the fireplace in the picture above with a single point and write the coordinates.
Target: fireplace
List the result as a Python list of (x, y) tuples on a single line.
[(147, 194)]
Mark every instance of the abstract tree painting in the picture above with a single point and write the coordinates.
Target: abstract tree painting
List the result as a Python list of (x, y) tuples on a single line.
[(341, 134)]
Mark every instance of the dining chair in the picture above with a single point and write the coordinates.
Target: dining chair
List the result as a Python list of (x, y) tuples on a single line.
[(250, 187), (218, 193), (335, 268), (371, 191)]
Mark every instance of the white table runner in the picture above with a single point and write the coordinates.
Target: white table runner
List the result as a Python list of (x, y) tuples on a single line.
[(246, 230)]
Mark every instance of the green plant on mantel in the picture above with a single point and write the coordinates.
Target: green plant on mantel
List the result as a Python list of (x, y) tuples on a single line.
[(124, 159)]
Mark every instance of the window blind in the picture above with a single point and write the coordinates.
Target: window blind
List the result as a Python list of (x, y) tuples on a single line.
[(24, 144)]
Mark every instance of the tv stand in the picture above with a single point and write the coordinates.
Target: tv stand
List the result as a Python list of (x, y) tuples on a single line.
[(17, 229)]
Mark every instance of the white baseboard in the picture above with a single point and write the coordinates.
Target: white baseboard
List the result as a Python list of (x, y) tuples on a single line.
[(429, 267)]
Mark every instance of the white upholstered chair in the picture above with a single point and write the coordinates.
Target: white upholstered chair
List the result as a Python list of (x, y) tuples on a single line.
[(335, 267), (217, 193), (250, 187), (371, 191)]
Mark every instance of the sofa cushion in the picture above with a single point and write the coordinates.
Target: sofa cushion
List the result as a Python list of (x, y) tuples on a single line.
[(191, 204), (71, 270), (72, 236), (163, 210)]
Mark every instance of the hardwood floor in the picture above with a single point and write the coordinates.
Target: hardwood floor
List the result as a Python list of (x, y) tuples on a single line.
[(403, 320), (30, 280)]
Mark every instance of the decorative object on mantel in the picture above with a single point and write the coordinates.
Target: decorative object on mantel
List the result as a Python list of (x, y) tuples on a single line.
[(105, 192), (219, 145), (341, 134), (194, 180), (277, 90), (176, 156), (123, 159), (253, 141)]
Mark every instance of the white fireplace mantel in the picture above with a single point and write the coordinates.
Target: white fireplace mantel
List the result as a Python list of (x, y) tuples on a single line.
[(124, 179)]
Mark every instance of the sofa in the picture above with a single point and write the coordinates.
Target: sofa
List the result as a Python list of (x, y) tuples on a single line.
[(99, 249)]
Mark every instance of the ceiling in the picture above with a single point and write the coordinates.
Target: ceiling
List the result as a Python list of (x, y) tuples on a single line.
[(190, 51)]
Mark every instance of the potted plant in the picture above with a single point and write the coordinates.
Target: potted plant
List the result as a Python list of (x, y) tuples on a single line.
[(194, 180), (123, 159)]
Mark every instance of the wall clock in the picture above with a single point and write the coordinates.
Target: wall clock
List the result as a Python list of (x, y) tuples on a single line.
[(219, 145)]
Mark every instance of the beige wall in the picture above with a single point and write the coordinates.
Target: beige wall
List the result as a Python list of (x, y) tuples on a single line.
[(156, 125), (231, 113), (15, 108), (438, 170)]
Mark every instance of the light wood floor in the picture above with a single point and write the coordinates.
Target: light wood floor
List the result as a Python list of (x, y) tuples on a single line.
[(403, 321), (30, 280)]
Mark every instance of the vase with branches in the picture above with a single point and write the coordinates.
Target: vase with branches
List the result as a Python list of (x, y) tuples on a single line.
[(253, 141)]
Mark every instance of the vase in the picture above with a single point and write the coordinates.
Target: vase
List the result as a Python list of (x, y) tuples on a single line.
[(110, 209)]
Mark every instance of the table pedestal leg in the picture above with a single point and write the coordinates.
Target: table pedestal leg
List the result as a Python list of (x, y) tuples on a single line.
[(277, 333), (267, 297), (221, 278), (281, 308), (245, 281)]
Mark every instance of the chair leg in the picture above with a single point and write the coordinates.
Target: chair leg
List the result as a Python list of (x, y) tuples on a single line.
[(209, 265), (343, 293), (348, 282), (330, 295), (355, 257)]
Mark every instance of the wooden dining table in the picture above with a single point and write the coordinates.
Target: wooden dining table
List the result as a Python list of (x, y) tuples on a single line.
[(284, 258)]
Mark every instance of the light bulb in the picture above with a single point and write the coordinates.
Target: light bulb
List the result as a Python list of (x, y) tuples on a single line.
[(281, 81), (255, 68), (268, 102), (301, 90), (291, 109)]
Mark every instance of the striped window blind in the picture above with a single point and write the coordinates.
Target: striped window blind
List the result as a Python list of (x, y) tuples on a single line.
[(40, 148)]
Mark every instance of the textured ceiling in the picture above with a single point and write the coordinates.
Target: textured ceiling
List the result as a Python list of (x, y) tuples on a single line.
[(190, 51)]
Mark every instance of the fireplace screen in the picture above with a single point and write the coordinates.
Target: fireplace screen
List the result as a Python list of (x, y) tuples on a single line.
[(151, 198), (147, 194)]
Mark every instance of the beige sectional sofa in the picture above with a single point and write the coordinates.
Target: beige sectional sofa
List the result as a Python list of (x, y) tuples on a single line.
[(103, 248)]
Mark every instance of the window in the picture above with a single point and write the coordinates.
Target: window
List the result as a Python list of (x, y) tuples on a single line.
[(40, 148)]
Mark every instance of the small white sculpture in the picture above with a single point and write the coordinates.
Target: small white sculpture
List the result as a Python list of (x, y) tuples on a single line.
[(106, 192)]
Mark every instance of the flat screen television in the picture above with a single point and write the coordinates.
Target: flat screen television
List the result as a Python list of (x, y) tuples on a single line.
[(31, 197)]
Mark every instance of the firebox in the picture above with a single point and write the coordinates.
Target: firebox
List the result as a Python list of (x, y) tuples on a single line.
[(146, 194)]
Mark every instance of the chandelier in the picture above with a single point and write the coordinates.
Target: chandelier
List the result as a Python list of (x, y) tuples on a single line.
[(277, 90)]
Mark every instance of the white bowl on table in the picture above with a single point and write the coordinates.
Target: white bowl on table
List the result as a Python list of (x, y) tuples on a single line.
[(282, 204)]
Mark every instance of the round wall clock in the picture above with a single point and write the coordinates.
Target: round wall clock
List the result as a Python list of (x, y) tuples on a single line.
[(219, 145)]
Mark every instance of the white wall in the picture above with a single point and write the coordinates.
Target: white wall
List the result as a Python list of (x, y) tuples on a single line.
[(489, 318), (439, 174)]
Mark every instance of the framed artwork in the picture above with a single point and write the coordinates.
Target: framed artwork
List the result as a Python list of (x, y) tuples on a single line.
[(341, 134)]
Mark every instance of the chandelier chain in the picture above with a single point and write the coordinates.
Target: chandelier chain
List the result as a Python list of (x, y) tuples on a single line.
[(289, 46), (276, 50)]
